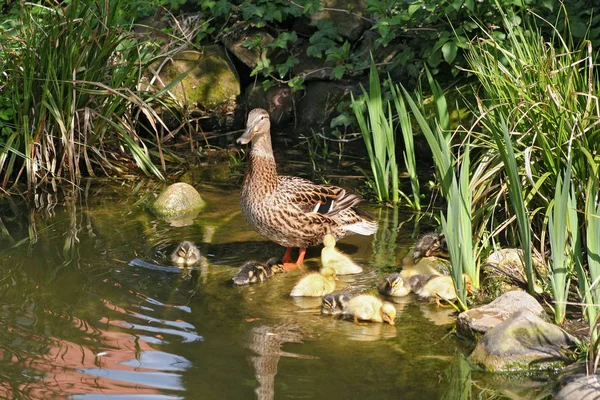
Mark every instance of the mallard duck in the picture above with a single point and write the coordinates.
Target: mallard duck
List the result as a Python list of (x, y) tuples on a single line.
[(331, 257), (442, 288), (254, 271), (186, 254), (334, 303), (365, 307), (431, 244), (394, 285), (291, 211), (316, 284)]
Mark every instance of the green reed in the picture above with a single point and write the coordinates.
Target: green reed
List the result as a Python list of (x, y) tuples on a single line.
[(73, 71), (379, 136)]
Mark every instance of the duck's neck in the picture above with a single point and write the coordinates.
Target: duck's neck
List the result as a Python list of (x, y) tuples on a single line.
[(261, 176)]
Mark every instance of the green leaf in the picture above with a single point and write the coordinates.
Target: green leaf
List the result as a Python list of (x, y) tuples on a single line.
[(449, 51), (338, 71)]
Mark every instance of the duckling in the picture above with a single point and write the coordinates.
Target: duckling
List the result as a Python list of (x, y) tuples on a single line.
[(394, 285), (431, 244), (365, 307), (254, 271), (416, 282), (423, 267), (442, 287), (334, 303), (186, 254), (316, 284), (331, 257)]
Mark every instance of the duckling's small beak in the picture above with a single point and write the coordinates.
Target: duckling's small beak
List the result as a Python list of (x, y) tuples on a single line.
[(247, 136)]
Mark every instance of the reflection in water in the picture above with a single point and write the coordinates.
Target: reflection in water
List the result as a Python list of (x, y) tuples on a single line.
[(76, 321), (266, 342)]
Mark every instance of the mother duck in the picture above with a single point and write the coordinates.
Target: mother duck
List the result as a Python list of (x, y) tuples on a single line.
[(291, 211)]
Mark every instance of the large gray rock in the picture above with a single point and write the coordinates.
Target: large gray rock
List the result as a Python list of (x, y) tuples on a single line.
[(179, 199), (211, 83), (523, 342), (477, 321), (277, 100), (319, 104), (235, 44), (346, 15), (575, 384)]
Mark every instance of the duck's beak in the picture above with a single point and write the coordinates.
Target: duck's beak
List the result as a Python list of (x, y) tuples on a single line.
[(247, 136)]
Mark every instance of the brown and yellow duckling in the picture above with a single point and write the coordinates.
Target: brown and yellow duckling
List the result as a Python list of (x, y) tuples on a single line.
[(394, 285), (186, 254), (334, 303), (316, 284), (432, 244), (291, 211), (254, 271), (365, 307), (332, 257)]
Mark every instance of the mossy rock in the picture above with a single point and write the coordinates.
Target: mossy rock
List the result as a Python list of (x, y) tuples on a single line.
[(521, 343), (211, 84), (178, 200)]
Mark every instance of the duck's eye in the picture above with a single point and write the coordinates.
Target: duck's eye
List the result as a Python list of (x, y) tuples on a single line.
[(262, 117)]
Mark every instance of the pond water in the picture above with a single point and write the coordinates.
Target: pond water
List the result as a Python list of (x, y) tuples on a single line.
[(77, 321)]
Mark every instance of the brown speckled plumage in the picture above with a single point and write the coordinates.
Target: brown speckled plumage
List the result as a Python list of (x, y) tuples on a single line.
[(291, 211)]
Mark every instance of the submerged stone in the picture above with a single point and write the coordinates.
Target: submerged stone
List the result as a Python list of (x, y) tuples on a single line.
[(575, 384), (477, 321), (523, 342), (179, 200)]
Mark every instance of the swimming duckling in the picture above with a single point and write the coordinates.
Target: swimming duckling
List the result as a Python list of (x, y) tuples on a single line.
[(334, 303), (254, 271), (331, 257), (186, 254), (431, 244), (394, 285), (442, 288), (369, 308), (423, 267), (416, 282), (316, 284)]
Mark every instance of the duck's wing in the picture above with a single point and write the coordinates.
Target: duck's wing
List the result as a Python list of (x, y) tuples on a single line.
[(322, 199)]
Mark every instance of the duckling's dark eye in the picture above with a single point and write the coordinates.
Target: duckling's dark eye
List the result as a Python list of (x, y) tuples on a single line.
[(262, 117)]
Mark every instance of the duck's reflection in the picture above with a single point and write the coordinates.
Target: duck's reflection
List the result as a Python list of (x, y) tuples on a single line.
[(266, 342)]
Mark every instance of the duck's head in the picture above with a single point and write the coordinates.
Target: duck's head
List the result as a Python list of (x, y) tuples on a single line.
[(186, 253), (333, 303), (390, 284), (388, 313), (431, 244), (329, 241), (257, 125), (328, 272)]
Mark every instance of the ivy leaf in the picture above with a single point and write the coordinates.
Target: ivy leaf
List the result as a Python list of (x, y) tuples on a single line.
[(282, 40), (449, 51), (338, 72), (284, 68)]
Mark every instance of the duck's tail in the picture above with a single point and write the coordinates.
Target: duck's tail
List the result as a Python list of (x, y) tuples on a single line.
[(364, 224)]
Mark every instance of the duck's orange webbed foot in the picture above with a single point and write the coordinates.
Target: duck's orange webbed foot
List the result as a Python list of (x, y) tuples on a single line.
[(288, 265)]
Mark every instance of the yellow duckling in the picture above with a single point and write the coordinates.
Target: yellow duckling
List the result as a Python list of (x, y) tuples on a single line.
[(442, 288), (394, 285), (331, 257), (254, 271), (369, 308), (409, 268), (186, 254), (334, 303), (316, 284)]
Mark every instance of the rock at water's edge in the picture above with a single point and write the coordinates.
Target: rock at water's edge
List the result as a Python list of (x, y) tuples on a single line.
[(477, 321), (178, 199), (523, 342)]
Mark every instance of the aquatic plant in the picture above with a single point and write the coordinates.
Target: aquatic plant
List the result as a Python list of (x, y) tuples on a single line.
[(379, 136), (69, 81)]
